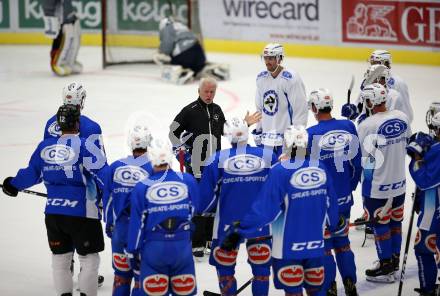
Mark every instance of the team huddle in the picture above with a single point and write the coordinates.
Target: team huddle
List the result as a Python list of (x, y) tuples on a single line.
[(287, 199)]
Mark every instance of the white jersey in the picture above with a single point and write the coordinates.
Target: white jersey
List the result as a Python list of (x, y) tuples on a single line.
[(282, 102), (383, 138), (396, 83)]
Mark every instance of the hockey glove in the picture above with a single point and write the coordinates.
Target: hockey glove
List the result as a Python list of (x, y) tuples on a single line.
[(349, 111), (109, 230), (8, 188), (233, 237), (178, 150), (257, 137), (419, 143)]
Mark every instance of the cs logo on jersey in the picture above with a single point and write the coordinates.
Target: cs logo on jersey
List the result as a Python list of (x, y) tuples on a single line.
[(57, 154), (335, 140), (392, 128), (308, 178), (54, 129), (167, 192), (129, 175), (244, 164), (270, 102)]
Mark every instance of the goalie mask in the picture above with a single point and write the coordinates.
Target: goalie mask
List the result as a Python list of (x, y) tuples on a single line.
[(375, 93), (139, 137), (74, 94), (321, 98), (434, 109), (236, 130)]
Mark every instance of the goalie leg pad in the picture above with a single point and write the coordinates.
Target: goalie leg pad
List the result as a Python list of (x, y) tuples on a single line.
[(177, 74), (217, 71), (61, 273), (88, 274), (65, 50)]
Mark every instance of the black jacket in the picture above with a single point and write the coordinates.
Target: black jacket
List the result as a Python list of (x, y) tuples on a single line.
[(199, 118)]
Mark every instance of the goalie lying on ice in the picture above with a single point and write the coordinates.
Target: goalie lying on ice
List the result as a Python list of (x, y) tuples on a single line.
[(182, 57)]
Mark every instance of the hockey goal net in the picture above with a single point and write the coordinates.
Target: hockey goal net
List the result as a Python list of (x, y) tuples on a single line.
[(130, 27)]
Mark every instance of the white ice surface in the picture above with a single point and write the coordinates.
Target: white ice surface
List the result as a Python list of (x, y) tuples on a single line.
[(30, 94)]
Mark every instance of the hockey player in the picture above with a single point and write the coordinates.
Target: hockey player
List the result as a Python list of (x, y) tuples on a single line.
[(378, 74), (181, 48), (335, 143), (296, 198), (424, 151), (62, 25), (383, 138), (242, 169), (160, 226), (75, 94), (72, 215), (280, 97), (121, 177)]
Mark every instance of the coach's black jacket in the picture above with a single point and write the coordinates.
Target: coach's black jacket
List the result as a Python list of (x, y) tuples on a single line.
[(199, 118)]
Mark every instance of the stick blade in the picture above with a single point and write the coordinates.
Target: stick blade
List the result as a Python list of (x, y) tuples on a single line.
[(208, 293)]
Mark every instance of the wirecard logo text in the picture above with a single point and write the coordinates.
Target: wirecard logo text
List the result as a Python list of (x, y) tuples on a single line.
[(288, 10)]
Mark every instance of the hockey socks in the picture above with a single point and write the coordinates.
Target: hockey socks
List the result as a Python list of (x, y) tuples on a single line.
[(427, 271), (121, 286)]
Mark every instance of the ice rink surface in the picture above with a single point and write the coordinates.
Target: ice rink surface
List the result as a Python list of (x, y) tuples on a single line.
[(30, 94)]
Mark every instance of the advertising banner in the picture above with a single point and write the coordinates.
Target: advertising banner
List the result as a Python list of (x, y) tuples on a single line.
[(30, 13), (4, 14), (392, 22), (295, 21), (141, 15)]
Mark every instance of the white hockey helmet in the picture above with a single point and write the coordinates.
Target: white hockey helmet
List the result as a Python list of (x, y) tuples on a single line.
[(296, 136), (236, 130), (321, 98), (376, 72), (436, 121), (433, 109), (376, 93), (139, 137), (273, 50), (74, 94), (380, 56), (160, 152)]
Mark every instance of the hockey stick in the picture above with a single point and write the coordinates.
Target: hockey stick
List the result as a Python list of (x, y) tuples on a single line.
[(182, 161), (30, 192), (408, 237), (244, 286), (350, 88)]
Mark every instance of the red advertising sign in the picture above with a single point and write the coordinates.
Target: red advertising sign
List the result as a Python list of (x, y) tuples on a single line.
[(395, 22)]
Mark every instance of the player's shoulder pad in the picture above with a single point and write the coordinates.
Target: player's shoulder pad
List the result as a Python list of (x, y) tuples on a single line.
[(287, 75), (93, 125), (263, 74)]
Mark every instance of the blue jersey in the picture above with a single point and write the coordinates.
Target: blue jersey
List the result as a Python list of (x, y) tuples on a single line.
[(120, 178), (232, 181), (297, 199), (161, 196), (336, 144), (69, 174), (88, 129), (426, 175)]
